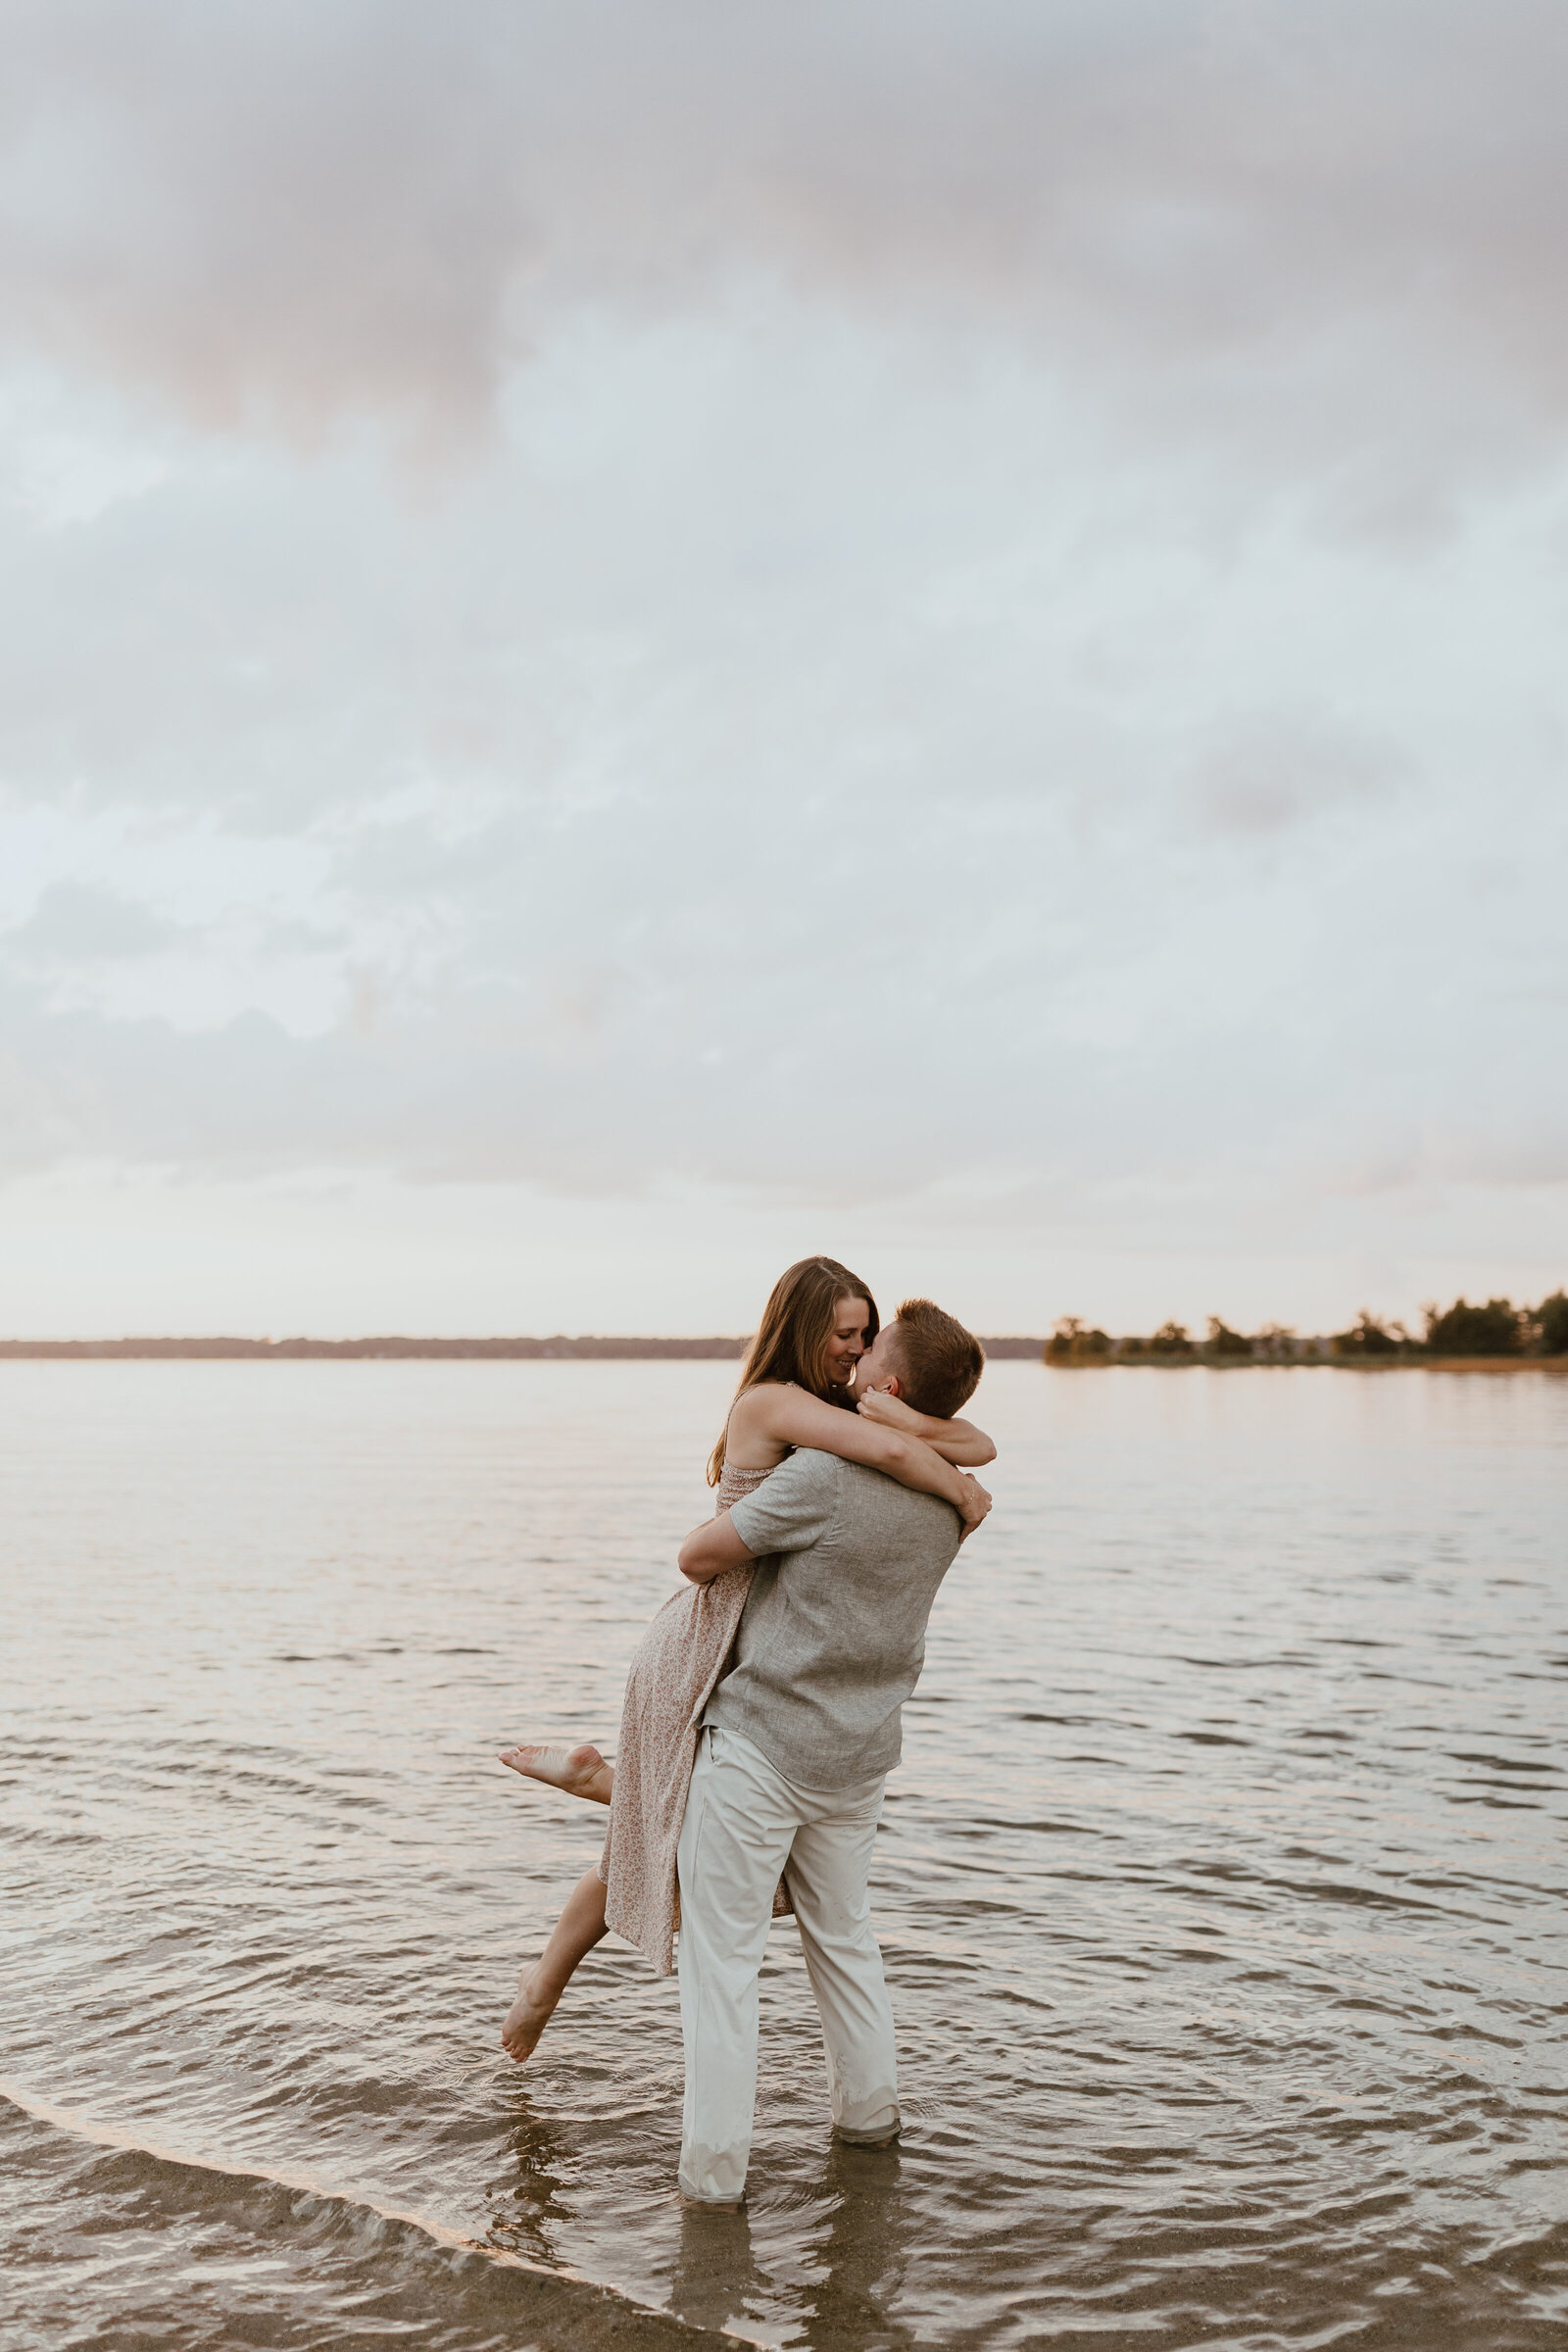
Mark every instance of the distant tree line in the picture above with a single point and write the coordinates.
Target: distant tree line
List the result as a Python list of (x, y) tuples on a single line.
[(1497, 1328)]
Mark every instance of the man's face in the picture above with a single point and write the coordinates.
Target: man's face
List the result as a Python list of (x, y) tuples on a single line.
[(878, 1368)]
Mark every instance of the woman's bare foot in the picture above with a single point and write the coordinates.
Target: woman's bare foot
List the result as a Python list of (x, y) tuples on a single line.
[(525, 2019), (580, 1771), (579, 1928)]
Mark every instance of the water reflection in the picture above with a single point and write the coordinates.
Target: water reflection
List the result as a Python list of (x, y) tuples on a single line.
[(863, 2253), (717, 2281), (1218, 1889), (844, 2283), (527, 2214)]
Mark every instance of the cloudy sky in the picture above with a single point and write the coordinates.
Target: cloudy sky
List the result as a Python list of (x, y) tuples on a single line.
[(635, 639)]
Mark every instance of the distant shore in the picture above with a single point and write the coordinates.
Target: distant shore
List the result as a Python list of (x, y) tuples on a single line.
[(564, 1347), (1201, 1362)]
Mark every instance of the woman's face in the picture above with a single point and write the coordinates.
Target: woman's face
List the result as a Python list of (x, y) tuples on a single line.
[(847, 1343)]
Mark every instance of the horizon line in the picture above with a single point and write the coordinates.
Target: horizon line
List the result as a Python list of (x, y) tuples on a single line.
[(710, 1347)]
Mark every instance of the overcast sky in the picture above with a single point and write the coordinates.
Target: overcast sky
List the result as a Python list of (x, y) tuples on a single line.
[(636, 639)]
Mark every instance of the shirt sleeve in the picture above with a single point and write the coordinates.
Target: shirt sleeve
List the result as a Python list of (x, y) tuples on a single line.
[(794, 1506)]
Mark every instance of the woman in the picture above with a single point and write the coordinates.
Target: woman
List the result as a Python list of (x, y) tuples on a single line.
[(796, 1389)]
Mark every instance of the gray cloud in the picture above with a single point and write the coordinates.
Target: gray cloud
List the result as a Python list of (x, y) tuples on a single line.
[(1339, 230), (721, 994), (1268, 772), (1014, 834), (74, 924), (984, 641)]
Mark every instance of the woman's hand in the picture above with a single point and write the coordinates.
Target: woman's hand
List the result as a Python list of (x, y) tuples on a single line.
[(957, 1442), (882, 1406), (974, 1506)]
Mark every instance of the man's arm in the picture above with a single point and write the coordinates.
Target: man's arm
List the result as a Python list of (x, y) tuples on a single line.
[(711, 1548)]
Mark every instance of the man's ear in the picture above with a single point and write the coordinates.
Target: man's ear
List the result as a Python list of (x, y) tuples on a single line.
[(893, 1385)]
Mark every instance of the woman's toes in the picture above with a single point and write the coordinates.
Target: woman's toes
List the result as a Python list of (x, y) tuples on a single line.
[(579, 1771)]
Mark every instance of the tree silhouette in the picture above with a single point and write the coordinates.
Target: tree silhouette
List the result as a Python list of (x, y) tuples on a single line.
[(1071, 1343), (1465, 1330), (1365, 1336), (1551, 1320)]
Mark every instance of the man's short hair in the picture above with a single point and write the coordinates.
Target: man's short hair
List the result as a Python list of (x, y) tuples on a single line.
[(939, 1362)]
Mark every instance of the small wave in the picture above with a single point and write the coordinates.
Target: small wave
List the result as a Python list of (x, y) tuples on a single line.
[(557, 2304)]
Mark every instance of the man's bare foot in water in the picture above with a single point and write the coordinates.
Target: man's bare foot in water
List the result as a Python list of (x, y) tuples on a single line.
[(580, 1771), (525, 2019)]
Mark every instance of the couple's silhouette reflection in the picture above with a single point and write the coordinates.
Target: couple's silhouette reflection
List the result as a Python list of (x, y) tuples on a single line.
[(841, 2264)]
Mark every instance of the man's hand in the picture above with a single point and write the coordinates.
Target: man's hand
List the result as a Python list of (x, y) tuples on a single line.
[(976, 1503), (890, 1411)]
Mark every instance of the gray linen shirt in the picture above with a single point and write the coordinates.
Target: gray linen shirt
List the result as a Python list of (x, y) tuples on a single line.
[(832, 1637)]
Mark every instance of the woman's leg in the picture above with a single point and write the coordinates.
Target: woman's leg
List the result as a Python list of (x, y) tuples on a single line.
[(578, 1929), (580, 1771)]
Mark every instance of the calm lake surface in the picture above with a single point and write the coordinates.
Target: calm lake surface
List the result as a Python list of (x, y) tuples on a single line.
[(1221, 1889)]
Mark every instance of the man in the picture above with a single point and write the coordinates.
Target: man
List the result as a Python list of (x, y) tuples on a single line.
[(796, 1742)]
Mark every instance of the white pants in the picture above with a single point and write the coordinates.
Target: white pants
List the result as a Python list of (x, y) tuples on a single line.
[(744, 1820)]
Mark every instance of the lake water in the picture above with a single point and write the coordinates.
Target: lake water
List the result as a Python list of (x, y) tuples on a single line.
[(1221, 1889)]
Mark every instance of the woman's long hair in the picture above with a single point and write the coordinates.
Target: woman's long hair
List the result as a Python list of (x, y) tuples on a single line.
[(791, 1342)]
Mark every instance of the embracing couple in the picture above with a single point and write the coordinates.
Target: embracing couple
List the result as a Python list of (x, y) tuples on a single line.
[(763, 1709)]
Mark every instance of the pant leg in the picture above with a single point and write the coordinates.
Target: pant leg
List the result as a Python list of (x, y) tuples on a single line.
[(829, 1868), (741, 1816)]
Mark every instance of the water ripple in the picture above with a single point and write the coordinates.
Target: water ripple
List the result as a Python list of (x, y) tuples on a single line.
[(1229, 1986)]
